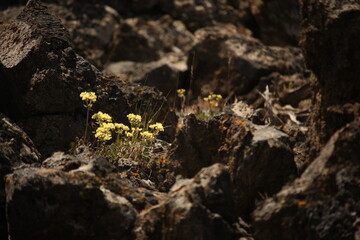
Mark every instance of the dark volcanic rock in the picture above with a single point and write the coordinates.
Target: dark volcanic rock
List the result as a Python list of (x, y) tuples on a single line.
[(92, 28), (278, 21), (330, 38), (16, 150), (196, 145), (324, 202), (42, 78), (198, 208), (163, 74), (144, 40), (259, 158), (50, 204), (202, 13), (260, 161), (237, 62)]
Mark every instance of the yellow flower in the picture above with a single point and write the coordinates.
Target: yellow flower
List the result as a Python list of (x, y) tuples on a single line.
[(157, 126), (181, 92), (121, 127), (101, 117), (103, 133), (134, 119), (213, 97), (147, 135), (88, 96), (129, 134), (108, 126), (136, 129)]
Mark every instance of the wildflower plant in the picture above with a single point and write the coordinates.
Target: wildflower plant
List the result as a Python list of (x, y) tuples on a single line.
[(213, 100), (130, 142), (89, 99), (118, 140), (181, 95), (214, 104)]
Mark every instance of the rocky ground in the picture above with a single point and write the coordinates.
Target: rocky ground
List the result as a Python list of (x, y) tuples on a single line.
[(276, 158)]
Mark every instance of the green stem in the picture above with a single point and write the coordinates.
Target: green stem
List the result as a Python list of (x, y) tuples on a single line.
[(87, 123)]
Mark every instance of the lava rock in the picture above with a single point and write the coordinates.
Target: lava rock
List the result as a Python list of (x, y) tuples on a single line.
[(51, 204), (259, 158), (335, 65), (163, 74), (237, 61), (202, 13), (198, 208), (324, 202), (92, 28), (147, 40), (43, 78), (16, 151), (279, 22), (196, 145)]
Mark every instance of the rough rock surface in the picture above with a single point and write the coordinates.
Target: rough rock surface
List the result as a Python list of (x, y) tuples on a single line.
[(335, 65), (148, 40), (237, 61), (259, 158), (92, 28), (278, 21), (164, 74), (203, 13), (42, 78), (198, 208), (39, 200), (324, 202), (16, 151)]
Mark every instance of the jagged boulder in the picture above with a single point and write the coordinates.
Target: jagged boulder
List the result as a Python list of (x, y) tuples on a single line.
[(203, 13), (144, 40), (259, 158), (163, 74), (330, 36), (51, 204), (92, 28), (278, 22), (197, 208), (16, 151), (324, 202), (237, 62), (75, 196)]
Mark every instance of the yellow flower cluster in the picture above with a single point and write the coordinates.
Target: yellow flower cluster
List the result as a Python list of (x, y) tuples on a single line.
[(157, 127), (147, 135), (89, 98), (101, 117), (121, 128), (181, 93), (129, 134), (103, 133), (134, 132), (134, 119), (213, 97), (136, 129)]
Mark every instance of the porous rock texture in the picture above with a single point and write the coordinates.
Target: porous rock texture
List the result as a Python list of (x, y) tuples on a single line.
[(197, 208), (259, 158), (324, 202), (278, 21), (16, 151), (237, 61), (330, 37), (241, 160), (42, 78), (39, 200)]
